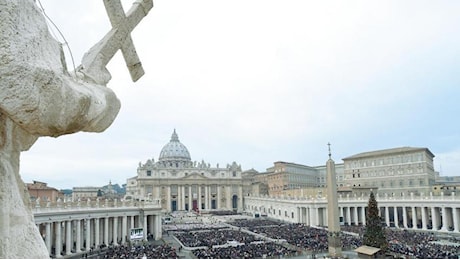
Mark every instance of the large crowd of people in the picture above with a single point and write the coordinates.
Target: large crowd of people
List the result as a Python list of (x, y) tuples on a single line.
[(212, 238), (275, 239), (148, 251), (245, 251), (415, 244)]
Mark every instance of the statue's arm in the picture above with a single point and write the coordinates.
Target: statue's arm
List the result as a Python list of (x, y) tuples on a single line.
[(36, 91), (49, 103)]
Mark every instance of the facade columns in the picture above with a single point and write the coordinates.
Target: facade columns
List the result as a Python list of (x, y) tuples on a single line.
[(144, 227), (219, 192), (414, 218), (157, 230), (190, 204), (168, 198), (207, 197), (182, 197), (199, 197), (228, 197)]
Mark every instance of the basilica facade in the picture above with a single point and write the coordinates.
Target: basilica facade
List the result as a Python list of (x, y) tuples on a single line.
[(183, 184)]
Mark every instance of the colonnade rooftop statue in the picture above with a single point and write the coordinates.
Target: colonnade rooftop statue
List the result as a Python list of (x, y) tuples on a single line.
[(39, 97)]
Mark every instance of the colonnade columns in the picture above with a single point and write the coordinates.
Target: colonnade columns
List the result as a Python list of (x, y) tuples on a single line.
[(414, 217), (395, 216), (434, 218), (387, 216), (48, 236), (444, 219), (88, 234), (404, 217), (455, 219), (97, 230), (317, 216), (68, 237), (124, 227), (106, 231), (363, 212), (115, 230), (341, 213), (132, 222), (424, 218), (355, 216), (58, 240), (78, 242), (299, 215)]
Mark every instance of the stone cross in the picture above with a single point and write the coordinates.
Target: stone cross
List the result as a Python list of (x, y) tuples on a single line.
[(118, 38)]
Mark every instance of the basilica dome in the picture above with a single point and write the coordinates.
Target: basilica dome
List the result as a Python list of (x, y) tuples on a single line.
[(174, 150)]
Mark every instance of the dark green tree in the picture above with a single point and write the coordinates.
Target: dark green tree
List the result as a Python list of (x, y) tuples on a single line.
[(375, 234)]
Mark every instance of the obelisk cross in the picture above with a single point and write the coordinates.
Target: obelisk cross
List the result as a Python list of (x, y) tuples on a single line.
[(94, 62)]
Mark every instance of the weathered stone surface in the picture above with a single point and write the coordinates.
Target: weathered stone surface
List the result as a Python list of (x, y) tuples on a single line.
[(38, 97)]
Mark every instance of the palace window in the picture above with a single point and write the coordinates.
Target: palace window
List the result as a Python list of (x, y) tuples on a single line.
[(149, 173)]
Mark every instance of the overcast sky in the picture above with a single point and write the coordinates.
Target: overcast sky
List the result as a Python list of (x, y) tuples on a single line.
[(262, 81)]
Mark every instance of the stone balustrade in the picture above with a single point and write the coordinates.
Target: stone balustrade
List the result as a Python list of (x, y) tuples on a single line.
[(72, 205)]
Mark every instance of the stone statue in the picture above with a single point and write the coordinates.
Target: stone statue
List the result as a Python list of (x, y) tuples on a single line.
[(39, 97)]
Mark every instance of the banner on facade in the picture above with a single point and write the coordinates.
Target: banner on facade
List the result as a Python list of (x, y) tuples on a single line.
[(137, 234)]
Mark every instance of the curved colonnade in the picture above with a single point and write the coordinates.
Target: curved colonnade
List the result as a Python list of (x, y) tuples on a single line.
[(427, 213), (71, 228)]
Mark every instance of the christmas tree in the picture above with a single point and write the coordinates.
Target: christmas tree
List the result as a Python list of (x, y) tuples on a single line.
[(374, 235)]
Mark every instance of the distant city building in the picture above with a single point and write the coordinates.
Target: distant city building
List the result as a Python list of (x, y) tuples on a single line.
[(41, 190), (446, 185), (292, 176), (185, 185), (392, 171), (105, 192)]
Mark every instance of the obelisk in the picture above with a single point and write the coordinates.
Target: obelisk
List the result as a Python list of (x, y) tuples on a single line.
[(333, 234)]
